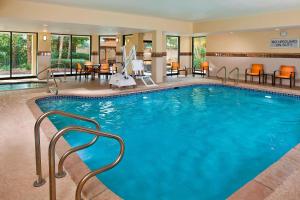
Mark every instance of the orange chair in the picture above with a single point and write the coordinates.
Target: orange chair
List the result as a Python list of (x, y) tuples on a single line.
[(104, 69), (175, 66), (78, 70), (255, 70), (285, 72), (203, 70)]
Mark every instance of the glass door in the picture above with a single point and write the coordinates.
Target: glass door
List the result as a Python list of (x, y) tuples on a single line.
[(61, 53), (81, 50), (5, 54), (23, 54)]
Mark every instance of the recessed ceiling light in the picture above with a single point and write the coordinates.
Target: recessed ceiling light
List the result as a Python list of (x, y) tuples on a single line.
[(45, 25), (277, 29)]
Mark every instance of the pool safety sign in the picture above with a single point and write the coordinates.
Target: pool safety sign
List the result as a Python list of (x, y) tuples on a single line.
[(284, 43)]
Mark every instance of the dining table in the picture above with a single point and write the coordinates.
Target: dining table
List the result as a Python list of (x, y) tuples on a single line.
[(95, 67)]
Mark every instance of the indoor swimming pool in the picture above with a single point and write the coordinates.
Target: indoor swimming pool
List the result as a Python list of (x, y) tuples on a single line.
[(195, 142), (21, 85)]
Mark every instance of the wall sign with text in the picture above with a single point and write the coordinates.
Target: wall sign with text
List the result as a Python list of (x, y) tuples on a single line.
[(284, 43)]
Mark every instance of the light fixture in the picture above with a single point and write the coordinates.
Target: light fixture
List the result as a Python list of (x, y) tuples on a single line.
[(117, 39), (283, 33), (44, 37), (277, 29)]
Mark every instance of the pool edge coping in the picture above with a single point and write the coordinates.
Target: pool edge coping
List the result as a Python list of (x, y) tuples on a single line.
[(259, 187)]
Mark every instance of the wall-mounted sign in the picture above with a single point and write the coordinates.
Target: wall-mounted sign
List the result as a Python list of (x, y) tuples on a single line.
[(284, 43)]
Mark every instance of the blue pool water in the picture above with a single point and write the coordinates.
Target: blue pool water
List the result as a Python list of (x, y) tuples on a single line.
[(198, 142), (21, 86)]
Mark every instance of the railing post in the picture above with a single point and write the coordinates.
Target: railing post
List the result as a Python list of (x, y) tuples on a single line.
[(237, 75), (52, 181), (225, 73), (38, 161)]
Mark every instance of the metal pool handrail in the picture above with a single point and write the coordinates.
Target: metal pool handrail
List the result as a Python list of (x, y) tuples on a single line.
[(65, 69), (237, 74), (51, 154), (50, 75), (225, 72), (41, 181)]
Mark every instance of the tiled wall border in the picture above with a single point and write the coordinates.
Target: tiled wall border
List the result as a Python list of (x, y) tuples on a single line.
[(95, 53), (258, 188), (185, 53), (139, 53), (119, 53), (158, 54), (254, 54), (44, 53)]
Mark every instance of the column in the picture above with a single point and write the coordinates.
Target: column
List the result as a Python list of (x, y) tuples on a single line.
[(95, 48), (118, 48), (158, 56), (44, 52), (140, 46)]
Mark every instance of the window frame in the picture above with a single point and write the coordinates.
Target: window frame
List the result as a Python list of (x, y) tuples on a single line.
[(178, 39), (11, 58), (71, 58), (99, 45), (193, 51)]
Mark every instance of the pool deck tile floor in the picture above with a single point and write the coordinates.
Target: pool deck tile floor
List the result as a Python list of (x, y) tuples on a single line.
[(17, 171)]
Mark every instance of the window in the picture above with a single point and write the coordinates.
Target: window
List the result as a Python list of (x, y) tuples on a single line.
[(199, 51), (127, 39), (107, 46), (4, 54), (81, 50), (23, 57), (17, 54), (147, 57), (67, 50), (61, 53), (173, 49)]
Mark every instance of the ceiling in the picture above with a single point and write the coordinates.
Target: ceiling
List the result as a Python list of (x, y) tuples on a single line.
[(189, 10), (66, 28)]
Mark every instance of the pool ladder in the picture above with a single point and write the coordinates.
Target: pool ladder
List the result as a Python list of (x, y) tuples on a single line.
[(52, 88), (236, 79), (51, 152), (225, 74)]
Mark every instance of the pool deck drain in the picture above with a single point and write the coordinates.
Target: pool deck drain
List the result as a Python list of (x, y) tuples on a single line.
[(279, 181)]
